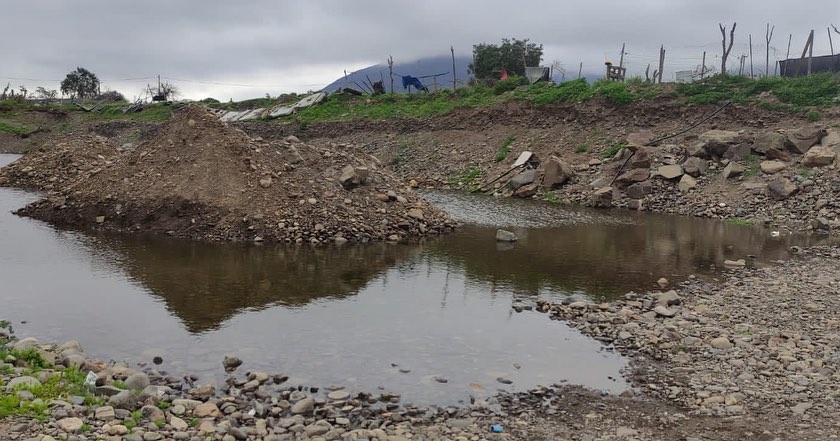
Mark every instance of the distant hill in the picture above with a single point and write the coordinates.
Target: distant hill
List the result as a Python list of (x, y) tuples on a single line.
[(420, 68)]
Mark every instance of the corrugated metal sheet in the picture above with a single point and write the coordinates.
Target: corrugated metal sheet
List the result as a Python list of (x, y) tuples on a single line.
[(795, 67)]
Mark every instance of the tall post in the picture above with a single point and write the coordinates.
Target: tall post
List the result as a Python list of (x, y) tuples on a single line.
[(580, 69), (787, 56), (621, 60), (661, 61), (703, 67), (752, 73), (810, 50), (391, 71), (768, 35), (454, 79), (808, 43), (831, 46)]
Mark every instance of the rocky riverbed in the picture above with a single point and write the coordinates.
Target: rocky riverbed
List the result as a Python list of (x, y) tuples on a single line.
[(753, 355)]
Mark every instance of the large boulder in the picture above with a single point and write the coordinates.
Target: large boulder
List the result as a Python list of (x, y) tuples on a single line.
[(737, 152), (687, 182), (801, 140), (641, 159), (768, 140), (524, 178), (640, 138), (557, 172), (781, 189), (831, 139), (632, 176), (717, 142), (670, 171), (772, 167), (732, 170), (696, 166), (819, 156), (639, 190), (602, 198)]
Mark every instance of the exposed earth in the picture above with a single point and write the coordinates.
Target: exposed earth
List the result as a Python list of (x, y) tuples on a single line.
[(751, 356)]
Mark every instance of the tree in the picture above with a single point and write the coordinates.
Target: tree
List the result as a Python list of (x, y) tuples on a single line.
[(45, 94), (512, 55), (80, 83), (726, 50)]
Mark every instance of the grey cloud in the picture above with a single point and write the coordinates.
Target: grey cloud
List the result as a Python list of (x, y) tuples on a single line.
[(222, 41)]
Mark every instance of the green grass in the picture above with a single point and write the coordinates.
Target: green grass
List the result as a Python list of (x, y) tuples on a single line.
[(813, 115), (613, 149), (505, 149), (582, 148), (466, 177), (163, 405), (59, 385), (753, 165), (13, 128), (814, 90), (151, 112)]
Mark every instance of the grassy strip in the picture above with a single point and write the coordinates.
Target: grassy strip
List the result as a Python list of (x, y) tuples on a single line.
[(12, 128)]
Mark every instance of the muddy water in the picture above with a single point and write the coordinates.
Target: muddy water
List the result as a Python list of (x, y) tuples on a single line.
[(356, 316)]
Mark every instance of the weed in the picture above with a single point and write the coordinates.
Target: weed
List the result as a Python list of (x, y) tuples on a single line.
[(163, 405), (119, 385), (136, 415), (32, 358), (85, 427), (130, 425), (194, 422), (466, 177), (582, 148), (753, 165), (505, 149), (59, 385), (813, 115), (159, 423), (615, 92), (679, 347), (613, 149)]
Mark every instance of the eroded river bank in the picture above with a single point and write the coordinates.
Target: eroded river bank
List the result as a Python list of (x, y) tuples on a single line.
[(435, 324)]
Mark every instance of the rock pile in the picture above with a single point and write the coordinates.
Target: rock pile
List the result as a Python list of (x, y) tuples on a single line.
[(55, 166), (200, 178), (786, 179), (764, 342)]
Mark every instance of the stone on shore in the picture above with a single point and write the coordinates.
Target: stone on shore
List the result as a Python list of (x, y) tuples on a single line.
[(505, 236)]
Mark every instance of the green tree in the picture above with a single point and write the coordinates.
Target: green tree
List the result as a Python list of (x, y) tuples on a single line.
[(80, 83), (512, 55)]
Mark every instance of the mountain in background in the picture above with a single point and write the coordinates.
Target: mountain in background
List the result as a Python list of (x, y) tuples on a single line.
[(424, 67), (420, 68)]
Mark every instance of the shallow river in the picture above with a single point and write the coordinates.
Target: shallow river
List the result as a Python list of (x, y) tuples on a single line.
[(358, 315)]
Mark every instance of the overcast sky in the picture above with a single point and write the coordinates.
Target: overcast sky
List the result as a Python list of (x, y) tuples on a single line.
[(246, 49)]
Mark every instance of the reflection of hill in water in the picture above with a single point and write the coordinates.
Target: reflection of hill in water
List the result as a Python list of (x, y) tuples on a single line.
[(608, 260), (206, 284)]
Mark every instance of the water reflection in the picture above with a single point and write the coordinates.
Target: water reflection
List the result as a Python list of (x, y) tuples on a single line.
[(594, 252), (205, 284)]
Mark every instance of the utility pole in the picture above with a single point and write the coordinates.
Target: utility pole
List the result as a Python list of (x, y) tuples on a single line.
[(580, 69), (703, 67)]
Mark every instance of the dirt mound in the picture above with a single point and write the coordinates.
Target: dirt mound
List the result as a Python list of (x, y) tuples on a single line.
[(54, 166), (198, 177)]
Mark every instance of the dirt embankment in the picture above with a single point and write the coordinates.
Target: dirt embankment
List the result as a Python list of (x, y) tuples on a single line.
[(783, 167), (198, 177)]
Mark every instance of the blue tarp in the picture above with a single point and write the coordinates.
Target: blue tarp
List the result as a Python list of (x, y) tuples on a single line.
[(408, 80)]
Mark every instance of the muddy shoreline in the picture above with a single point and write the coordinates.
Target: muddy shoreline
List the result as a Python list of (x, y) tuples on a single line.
[(744, 357)]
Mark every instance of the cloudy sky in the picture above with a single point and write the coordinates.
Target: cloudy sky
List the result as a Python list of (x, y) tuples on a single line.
[(246, 49)]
